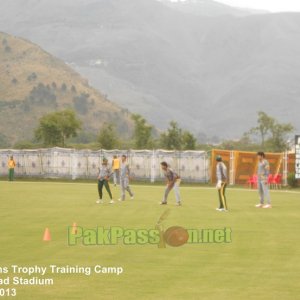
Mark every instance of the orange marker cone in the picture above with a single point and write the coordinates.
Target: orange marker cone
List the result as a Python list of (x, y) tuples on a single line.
[(47, 235), (74, 228)]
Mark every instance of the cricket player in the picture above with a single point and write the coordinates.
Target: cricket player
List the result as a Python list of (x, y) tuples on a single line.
[(103, 178), (263, 171), (124, 179), (116, 169), (221, 172), (173, 182), (11, 168)]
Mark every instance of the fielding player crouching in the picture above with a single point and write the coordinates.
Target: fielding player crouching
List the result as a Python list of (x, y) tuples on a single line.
[(173, 182)]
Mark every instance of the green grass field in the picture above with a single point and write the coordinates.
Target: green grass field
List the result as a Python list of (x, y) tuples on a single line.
[(262, 262)]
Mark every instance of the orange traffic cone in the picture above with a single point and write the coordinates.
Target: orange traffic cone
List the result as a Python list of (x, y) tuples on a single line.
[(47, 235), (74, 228)]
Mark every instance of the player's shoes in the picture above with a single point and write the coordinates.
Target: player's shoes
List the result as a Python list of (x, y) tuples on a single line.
[(132, 197), (218, 209), (121, 199), (222, 210), (178, 204), (163, 203), (259, 205), (267, 206), (99, 201), (111, 202)]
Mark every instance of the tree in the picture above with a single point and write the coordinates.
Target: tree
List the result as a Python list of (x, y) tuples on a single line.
[(7, 49), (84, 137), (73, 89), (42, 95), (55, 128), (172, 139), (14, 80), (279, 136), (265, 124), (32, 76), (81, 104), (177, 139), (108, 138), (189, 141), (243, 144), (273, 134), (142, 134), (64, 87)]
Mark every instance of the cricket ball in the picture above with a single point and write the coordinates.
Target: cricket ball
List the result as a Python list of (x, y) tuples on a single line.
[(176, 236)]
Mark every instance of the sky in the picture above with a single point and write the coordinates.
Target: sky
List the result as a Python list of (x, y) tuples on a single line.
[(271, 5)]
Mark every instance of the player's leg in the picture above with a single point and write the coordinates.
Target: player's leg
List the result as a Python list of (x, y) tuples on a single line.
[(118, 176), (223, 192), (261, 194), (127, 187), (122, 186), (100, 193), (107, 187), (115, 177), (220, 200), (177, 192), (166, 193), (266, 192)]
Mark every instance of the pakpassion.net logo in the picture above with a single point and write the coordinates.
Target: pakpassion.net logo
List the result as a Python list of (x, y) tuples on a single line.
[(174, 236)]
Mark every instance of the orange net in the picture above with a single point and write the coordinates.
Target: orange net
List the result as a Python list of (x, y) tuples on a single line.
[(243, 165)]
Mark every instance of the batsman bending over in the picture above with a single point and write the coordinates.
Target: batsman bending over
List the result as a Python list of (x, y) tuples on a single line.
[(222, 183), (103, 178), (173, 182)]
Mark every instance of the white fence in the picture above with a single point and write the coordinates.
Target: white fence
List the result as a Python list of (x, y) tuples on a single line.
[(193, 166)]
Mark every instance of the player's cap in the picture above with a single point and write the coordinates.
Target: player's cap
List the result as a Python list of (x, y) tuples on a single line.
[(219, 158), (104, 160)]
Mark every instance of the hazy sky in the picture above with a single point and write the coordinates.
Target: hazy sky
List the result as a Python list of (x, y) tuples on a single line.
[(271, 5)]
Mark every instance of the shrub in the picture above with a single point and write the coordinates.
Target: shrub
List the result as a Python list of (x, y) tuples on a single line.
[(42, 95), (32, 76), (81, 103), (292, 181), (4, 141), (25, 145), (14, 81), (63, 87), (7, 49), (73, 89)]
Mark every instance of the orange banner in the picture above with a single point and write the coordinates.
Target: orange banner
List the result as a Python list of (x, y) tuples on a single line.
[(242, 165)]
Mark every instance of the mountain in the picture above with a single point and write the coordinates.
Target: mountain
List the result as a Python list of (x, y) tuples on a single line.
[(33, 83), (211, 74), (209, 8)]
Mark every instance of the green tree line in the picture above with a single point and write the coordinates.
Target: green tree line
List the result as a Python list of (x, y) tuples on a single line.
[(64, 128)]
